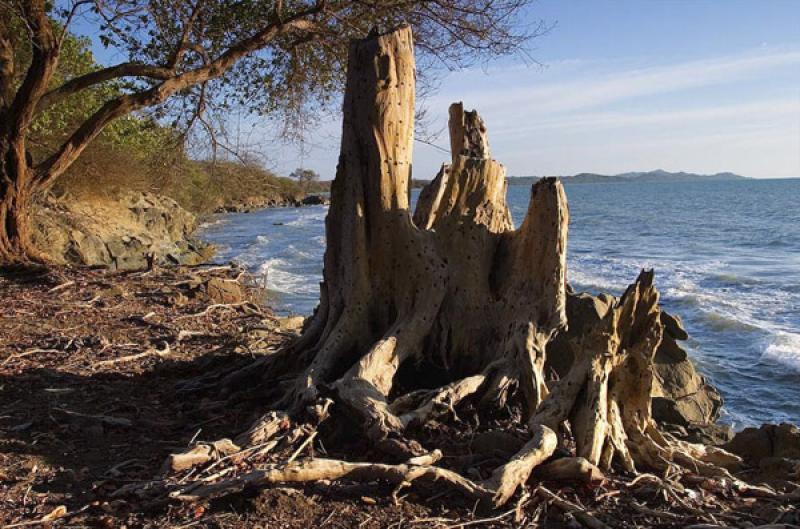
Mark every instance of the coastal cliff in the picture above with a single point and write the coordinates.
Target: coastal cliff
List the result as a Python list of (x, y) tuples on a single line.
[(128, 232)]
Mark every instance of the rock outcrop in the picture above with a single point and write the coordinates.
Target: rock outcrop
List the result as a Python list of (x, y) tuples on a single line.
[(772, 449), (282, 201), (316, 200), (255, 203), (682, 398), (126, 233)]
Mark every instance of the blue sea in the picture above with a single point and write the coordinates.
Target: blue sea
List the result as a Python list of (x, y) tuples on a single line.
[(726, 256)]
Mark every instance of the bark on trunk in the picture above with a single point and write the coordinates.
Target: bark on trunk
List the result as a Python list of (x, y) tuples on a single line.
[(17, 192)]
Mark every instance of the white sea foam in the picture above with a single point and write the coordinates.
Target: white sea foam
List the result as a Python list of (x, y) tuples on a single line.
[(308, 217), (784, 347), (297, 253), (280, 279), (593, 282), (213, 222)]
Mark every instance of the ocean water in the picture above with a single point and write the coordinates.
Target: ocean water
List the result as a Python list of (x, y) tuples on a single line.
[(726, 256)]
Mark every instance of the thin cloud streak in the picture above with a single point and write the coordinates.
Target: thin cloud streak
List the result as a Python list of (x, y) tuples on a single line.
[(784, 110), (736, 112), (591, 91)]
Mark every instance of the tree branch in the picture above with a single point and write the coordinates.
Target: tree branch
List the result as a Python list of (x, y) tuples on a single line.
[(126, 69), (40, 72), (56, 164), (183, 44)]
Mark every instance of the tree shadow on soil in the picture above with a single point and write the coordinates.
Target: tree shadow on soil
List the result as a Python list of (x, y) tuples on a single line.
[(77, 438), (98, 431)]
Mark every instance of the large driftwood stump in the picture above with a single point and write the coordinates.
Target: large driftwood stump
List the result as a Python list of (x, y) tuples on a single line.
[(456, 289)]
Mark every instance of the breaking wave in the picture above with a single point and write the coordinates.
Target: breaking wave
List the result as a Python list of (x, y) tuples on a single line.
[(784, 348)]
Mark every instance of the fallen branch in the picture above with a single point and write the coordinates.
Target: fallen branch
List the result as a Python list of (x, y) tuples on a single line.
[(130, 358), (334, 469), (28, 353), (62, 286), (216, 306)]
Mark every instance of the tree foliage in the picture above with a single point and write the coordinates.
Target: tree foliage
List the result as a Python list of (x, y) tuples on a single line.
[(305, 177)]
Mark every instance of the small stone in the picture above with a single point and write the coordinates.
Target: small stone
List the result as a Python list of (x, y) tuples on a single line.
[(291, 323)]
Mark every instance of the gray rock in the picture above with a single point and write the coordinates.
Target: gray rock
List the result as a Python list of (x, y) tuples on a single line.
[(770, 440), (773, 450), (224, 291), (316, 200), (124, 233)]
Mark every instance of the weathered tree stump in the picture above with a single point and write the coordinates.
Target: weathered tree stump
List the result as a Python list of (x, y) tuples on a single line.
[(458, 290)]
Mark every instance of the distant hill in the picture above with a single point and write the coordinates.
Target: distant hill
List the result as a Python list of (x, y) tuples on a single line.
[(659, 175)]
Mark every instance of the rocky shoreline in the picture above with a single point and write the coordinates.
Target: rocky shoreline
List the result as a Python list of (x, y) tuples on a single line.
[(152, 313), (256, 203), (133, 230)]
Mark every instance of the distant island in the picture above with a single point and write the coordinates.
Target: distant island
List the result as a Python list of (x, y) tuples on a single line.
[(659, 175)]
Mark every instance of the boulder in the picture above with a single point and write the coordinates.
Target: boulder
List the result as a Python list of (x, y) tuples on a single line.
[(316, 200), (682, 396), (773, 450), (224, 291), (786, 441), (674, 326), (128, 232), (217, 290), (292, 323), (770, 440)]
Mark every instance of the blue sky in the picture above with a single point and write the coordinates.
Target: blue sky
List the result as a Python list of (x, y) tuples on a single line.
[(695, 85), (624, 85)]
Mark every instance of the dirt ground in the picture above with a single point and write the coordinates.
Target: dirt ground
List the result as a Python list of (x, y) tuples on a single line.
[(93, 368)]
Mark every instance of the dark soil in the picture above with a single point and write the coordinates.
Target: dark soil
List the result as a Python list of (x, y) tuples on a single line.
[(76, 425)]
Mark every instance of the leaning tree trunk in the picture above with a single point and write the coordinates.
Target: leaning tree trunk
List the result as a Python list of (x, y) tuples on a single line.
[(459, 291)]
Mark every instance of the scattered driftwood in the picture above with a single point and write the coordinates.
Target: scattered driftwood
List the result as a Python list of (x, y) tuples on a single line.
[(202, 453), (246, 306), (581, 514), (28, 353), (166, 351)]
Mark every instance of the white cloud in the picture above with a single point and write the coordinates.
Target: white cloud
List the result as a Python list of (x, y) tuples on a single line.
[(525, 90), (784, 110)]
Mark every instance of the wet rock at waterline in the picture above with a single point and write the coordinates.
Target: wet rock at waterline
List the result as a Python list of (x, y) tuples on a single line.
[(316, 200)]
